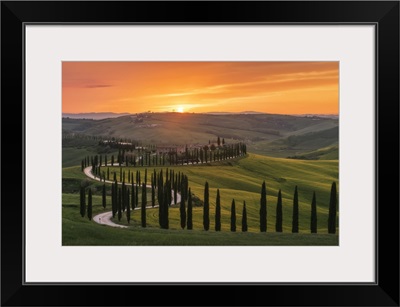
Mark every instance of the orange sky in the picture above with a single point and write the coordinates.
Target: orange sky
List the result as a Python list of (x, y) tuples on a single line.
[(134, 87)]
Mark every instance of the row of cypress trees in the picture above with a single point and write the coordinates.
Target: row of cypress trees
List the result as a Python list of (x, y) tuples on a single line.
[(279, 215), (206, 210), (120, 203), (194, 156)]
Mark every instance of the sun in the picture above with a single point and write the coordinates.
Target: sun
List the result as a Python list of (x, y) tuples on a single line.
[(180, 109)]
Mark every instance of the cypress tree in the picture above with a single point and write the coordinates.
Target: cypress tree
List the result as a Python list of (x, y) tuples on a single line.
[(153, 192), (182, 210), (278, 224), (137, 195), (313, 225), (189, 212), (83, 201), (233, 216), (167, 190), (332, 210), (113, 200), (119, 204), (166, 206), (160, 206), (295, 220), (144, 201), (133, 197), (160, 187), (181, 188), (244, 218), (218, 213), (104, 196), (206, 208), (186, 187), (128, 208), (175, 192), (123, 191), (89, 209), (263, 209)]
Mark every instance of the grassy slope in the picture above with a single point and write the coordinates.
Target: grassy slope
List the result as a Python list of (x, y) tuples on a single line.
[(78, 231), (326, 153), (239, 179), (311, 145)]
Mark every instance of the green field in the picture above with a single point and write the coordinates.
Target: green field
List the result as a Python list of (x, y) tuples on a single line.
[(238, 179), (285, 151)]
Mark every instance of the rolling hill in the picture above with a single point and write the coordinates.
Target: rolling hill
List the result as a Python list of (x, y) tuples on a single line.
[(322, 144), (268, 134)]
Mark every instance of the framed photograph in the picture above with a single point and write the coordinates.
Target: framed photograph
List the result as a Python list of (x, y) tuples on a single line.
[(250, 145)]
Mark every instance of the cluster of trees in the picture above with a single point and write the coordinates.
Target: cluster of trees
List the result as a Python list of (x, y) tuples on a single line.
[(208, 153), (150, 157), (125, 196), (173, 183)]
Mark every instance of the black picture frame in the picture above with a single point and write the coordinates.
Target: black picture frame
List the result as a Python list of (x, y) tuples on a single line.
[(383, 14)]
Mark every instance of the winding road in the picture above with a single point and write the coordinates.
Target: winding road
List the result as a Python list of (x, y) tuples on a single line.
[(105, 217)]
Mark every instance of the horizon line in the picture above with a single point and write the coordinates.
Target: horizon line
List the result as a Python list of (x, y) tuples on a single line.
[(211, 112)]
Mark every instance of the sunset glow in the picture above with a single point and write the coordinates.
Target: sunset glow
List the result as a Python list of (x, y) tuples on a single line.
[(134, 87)]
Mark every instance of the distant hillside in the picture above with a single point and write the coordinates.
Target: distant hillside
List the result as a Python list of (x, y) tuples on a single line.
[(93, 115), (322, 144), (326, 153), (275, 135)]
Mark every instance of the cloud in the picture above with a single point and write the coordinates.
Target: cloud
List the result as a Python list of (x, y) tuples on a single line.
[(287, 78), (200, 91), (97, 85)]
